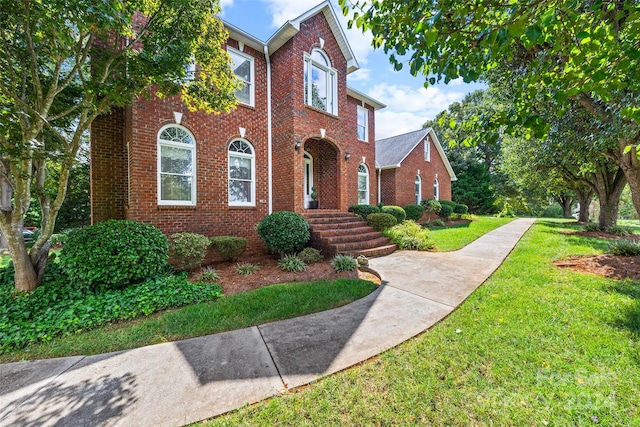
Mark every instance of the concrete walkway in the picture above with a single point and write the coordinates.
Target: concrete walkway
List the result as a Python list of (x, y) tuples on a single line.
[(181, 382)]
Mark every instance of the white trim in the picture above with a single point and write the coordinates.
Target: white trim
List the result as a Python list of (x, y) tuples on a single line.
[(427, 149), (307, 179), (418, 182), (166, 143), (331, 83), (252, 82), (366, 123), (253, 180), (436, 189), (269, 131), (366, 175)]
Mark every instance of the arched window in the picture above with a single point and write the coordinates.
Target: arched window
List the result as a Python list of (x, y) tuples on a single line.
[(436, 189), (363, 185), (242, 187), (418, 189), (176, 166), (320, 82)]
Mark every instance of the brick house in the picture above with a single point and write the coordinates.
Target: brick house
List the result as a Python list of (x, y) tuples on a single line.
[(297, 126), (412, 167)]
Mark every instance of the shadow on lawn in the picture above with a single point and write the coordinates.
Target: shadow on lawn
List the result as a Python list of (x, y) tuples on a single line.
[(630, 316)]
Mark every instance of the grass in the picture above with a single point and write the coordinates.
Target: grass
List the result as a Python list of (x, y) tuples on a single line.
[(535, 345), (456, 237), (231, 312)]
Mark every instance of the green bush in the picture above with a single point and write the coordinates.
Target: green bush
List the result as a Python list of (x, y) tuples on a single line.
[(553, 211), (435, 223), (625, 248), (414, 212), (229, 248), (188, 250), (310, 256), (209, 274), (396, 211), (620, 230), (410, 235), (381, 221), (284, 232), (460, 209), (364, 210), (114, 254), (449, 203), (292, 263), (445, 212), (247, 269), (431, 205), (592, 226), (344, 263), (61, 307)]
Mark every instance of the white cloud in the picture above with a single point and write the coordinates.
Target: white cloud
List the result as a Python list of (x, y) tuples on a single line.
[(408, 108), (361, 75), (285, 10), (224, 5)]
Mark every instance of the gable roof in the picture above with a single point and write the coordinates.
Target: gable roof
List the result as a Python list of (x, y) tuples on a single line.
[(365, 98), (390, 152)]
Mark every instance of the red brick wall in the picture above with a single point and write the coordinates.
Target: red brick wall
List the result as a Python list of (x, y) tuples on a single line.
[(388, 187), (108, 167)]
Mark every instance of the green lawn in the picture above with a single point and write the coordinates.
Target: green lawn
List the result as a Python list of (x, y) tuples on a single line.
[(454, 238), (535, 346), (238, 311)]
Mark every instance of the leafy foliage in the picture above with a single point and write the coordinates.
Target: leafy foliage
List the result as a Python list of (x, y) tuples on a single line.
[(410, 235), (63, 307), (592, 226), (247, 269), (625, 248), (229, 248), (292, 263), (620, 230), (381, 221), (209, 274), (188, 249), (460, 209), (435, 223), (396, 211), (364, 210), (284, 232), (445, 212), (344, 263), (552, 211), (310, 256), (114, 254), (431, 205), (414, 212)]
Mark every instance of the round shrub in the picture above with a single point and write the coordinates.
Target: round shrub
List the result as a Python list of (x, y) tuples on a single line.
[(310, 256), (114, 254), (431, 205), (414, 212), (284, 232), (188, 249), (410, 235), (381, 221), (364, 210), (445, 212), (229, 248), (396, 211), (449, 203), (435, 223), (460, 209), (344, 263)]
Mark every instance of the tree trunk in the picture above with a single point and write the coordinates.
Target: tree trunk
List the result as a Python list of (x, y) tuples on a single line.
[(630, 165), (25, 276), (608, 185), (584, 200), (566, 202)]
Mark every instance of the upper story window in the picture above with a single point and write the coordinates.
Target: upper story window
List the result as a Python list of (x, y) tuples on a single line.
[(242, 188), (427, 150), (363, 124), (176, 166), (243, 69), (320, 82)]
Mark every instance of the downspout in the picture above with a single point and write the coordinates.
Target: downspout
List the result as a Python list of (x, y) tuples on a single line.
[(379, 173), (269, 130)]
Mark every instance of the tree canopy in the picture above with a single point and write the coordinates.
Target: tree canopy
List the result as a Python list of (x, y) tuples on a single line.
[(63, 63)]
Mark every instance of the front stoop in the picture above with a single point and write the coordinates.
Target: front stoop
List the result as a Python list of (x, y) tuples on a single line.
[(336, 232)]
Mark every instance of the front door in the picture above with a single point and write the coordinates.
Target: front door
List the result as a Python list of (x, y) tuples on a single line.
[(308, 179)]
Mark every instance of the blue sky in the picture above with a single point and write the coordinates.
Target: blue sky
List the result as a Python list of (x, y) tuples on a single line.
[(409, 104)]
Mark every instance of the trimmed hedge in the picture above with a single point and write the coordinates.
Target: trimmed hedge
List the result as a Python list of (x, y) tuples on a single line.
[(396, 211), (410, 235), (381, 221), (229, 248), (284, 232), (188, 249), (114, 254), (364, 210), (310, 256), (414, 212), (431, 205), (460, 209), (445, 212)]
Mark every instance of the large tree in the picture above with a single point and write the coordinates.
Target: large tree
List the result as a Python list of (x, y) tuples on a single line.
[(65, 62), (572, 52)]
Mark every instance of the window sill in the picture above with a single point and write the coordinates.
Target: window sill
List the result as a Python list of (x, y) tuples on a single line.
[(176, 207), (363, 140), (326, 113), (234, 207), (249, 106)]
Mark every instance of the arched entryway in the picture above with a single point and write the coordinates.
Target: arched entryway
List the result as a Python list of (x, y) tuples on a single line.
[(321, 170)]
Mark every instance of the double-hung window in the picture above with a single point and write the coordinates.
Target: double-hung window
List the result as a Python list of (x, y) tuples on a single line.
[(242, 188), (243, 68), (427, 150), (320, 82), (363, 124), (176, 166)]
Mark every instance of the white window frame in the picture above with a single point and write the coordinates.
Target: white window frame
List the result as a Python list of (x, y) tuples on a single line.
[(436, 189), (252, 157), (332, 81), (250, 83), (427, 150), (418, 187), (363, 171), (364, 125), (175, 144)]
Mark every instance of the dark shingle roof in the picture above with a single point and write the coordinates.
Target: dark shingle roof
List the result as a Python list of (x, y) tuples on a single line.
[(392, 151)]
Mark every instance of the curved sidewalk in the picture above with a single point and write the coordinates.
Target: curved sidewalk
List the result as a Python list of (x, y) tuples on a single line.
[(181, 382)]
